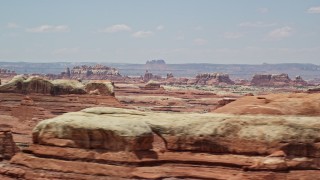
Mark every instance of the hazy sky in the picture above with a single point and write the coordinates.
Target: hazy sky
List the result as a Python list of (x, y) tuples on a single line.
[(178, 31)]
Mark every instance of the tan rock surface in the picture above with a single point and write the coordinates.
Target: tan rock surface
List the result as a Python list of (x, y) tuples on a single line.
[(216, 133), (21, 84), (103, 87), (34, 84), (97, 128)]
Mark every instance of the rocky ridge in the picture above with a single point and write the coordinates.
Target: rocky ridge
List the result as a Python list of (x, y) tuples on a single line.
[(34, 84), (277, 80), (213, 78), (140, 145)]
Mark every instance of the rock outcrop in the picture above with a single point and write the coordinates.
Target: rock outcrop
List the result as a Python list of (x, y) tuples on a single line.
[(314, 90), (275, 104), (149, 76), (22, 84), (177, 81), (63, 86), (156, 62), (94, 70), (101, 87), (169, 75), (118, 143), (7, 147), (213, 79), (277, 80), (152, 85), (33, 84), (89, 129), (298, 81)]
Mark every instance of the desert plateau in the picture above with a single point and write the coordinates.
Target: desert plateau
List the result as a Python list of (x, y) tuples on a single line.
[(102, 125), (159, 90)]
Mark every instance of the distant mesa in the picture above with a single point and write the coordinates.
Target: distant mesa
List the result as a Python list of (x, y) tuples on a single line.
[(94, 70), (97, 72), (277, 80), (156, 62), (156, 65), (213, 79), (161, 66), (201, 79)]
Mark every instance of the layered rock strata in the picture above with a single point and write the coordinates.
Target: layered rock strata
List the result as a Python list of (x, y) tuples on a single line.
[(111, 143), (7, 146), (213, 78), (152, 85), (96, 72), (277, 80), (33, 84)]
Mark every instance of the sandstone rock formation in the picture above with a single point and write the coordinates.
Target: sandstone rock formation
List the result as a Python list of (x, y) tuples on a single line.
[(94, 70), (314, 90), (7, 147), (156, 65), (276, 80), (117, 143), (27, 101), (275, 104), (33, 84), (152, 85), (298, 81), (225, 101), (169, 75), (89, 129), (101, 86), (156, 61), (63, 86), (149, 76), (22, 84), (177, 81), (213, 79), (85, 72)]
